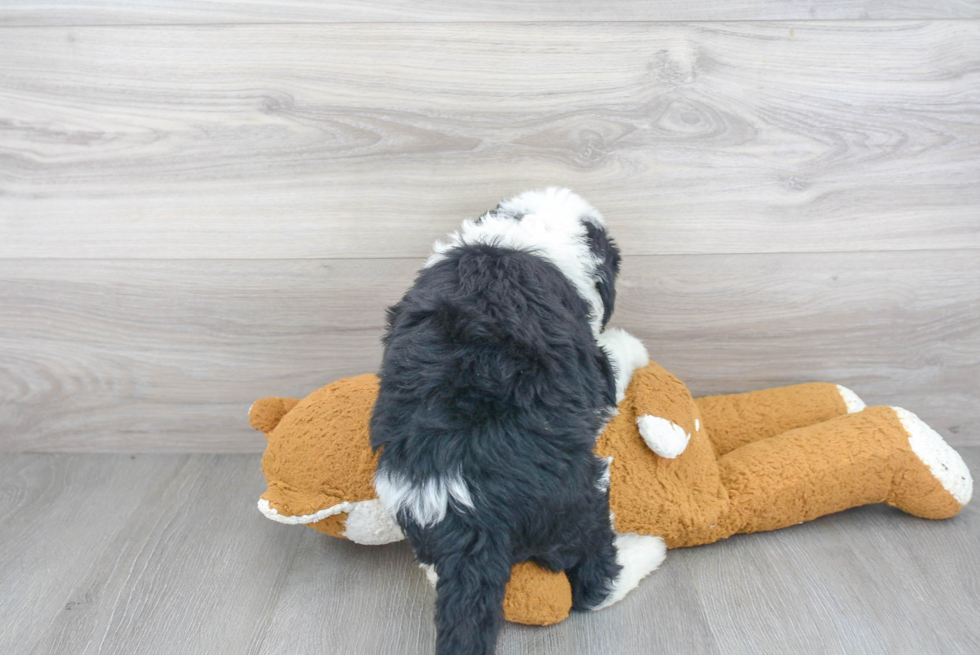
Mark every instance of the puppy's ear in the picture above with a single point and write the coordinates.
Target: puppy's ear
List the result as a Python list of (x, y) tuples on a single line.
[(502, 210), (607, 255)]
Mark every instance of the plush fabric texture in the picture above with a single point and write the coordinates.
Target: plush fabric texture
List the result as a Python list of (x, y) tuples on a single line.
[(536, 596), (265, 414), (332, 525), (742, 418), (755, 461), (821, 469), (677, 499), (318, 454)]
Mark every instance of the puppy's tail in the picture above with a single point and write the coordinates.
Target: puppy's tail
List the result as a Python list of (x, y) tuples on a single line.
[(470, 596)]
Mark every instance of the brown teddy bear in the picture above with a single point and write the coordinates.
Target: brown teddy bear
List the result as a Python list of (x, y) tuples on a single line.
[(689, 471)]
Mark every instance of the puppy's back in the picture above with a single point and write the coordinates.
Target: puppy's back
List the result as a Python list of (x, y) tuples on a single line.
[(492, 393)]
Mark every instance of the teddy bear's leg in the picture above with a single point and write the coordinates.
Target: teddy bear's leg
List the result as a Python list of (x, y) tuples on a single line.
[(734, 420), (878, 455)]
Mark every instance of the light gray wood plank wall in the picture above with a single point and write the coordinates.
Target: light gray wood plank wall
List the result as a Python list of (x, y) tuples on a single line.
[(167, 554), (290, 141), (168, 355), (115, 12), (195, 216)]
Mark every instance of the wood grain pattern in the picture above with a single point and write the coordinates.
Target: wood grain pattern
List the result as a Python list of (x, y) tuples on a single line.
[(843, 584), (119, 12), (52, 529), (193, 549), (315, 141), (138, 355), (168, 554)]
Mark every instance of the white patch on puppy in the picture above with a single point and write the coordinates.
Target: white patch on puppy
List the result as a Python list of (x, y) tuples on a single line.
[(430, 574), (606, 478), (626, 353), (851, 399), (944, 463), (639, 555), (551, 227), (426, 503), (664, 437)]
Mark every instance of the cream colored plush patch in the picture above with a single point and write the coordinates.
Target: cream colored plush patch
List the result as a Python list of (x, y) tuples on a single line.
[(851, 400), (664, 437), (945, 463), (271, 513), (369, 523)]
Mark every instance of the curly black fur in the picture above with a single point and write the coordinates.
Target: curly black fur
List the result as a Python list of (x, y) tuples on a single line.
[(491, 371)]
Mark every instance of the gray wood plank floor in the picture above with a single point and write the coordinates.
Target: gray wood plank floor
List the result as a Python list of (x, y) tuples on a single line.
[(167, 554)]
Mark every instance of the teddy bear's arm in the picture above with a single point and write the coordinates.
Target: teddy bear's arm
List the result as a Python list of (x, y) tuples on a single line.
[(626, 353), (738, 419)]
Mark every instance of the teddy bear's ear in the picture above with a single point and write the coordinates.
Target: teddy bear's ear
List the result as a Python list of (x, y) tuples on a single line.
[(264, 415)]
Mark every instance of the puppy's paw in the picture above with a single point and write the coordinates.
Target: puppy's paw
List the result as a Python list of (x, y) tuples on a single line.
[(639, 555)]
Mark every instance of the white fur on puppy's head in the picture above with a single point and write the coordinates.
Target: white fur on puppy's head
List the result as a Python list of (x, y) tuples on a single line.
[(550, 224), (554, 203)]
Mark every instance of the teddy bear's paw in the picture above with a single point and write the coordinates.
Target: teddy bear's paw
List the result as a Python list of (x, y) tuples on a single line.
[(851, 400), (944, 463), (664, 437), (639, 555), (627, 354)]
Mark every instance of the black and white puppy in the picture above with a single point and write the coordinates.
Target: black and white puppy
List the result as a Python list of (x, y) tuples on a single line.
[(497, 377)]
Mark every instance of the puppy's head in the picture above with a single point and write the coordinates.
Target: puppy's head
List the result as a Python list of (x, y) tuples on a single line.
[(607, 258), (562, 227)]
